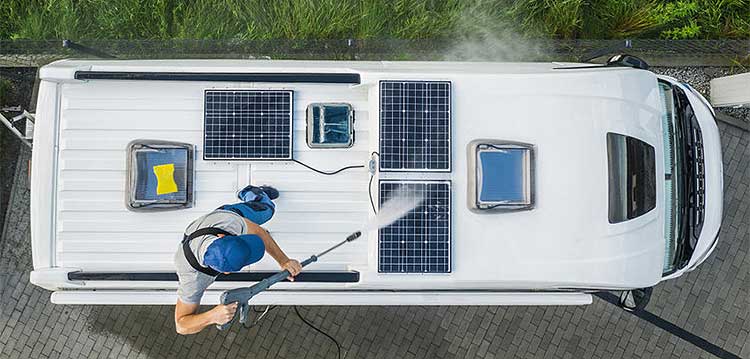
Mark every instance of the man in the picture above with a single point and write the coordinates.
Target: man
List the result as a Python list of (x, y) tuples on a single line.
[(224, 241)]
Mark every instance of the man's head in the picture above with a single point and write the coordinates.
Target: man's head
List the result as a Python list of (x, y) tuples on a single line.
[(231, 253)]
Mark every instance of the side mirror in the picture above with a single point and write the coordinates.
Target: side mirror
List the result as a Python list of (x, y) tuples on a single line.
[(636, 299)]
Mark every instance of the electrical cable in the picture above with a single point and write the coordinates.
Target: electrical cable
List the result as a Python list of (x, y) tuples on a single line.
[(262, 313), (369, 192), (369, 186), (338, 346), (329, 173), (296, 310)]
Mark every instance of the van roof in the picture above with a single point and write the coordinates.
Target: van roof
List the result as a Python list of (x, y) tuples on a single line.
[(566, 241)]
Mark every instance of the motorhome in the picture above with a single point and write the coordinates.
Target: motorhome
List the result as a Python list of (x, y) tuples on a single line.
[(540, 183)]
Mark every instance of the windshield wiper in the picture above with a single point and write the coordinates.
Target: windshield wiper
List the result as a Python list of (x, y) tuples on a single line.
[(685, 151)]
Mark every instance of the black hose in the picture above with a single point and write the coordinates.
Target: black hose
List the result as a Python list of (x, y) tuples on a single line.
[(369, 192), (329, 173), (338, 346), (296, 310)]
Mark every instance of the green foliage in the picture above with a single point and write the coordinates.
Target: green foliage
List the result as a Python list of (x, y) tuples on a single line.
[(206, 20), (50, 19), (556, 18), (10, 12), (303, 19), (128, 19), (365, 19), (707, 19), (689, 31), (622, 18)]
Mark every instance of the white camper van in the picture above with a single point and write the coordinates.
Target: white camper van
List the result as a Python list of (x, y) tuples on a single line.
[(541, 182)]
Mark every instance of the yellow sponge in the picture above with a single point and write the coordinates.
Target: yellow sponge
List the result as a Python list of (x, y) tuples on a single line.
[(165, 179)]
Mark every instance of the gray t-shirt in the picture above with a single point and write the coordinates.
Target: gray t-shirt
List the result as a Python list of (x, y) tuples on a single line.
[(192, 282)]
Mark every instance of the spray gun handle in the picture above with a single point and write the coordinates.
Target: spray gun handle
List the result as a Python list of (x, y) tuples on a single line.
[(242, 296), (242, 311)]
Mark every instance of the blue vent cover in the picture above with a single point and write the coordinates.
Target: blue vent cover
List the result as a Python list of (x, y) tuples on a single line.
[(502, 175)]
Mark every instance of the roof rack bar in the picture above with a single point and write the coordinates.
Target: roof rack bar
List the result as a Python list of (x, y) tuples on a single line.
[(308, 276), (287, 77)]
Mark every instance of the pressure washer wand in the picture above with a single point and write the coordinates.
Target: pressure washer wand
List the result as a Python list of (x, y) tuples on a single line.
[(243, 295)]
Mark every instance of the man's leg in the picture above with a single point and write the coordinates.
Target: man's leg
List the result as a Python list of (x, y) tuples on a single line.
[(259, 209)]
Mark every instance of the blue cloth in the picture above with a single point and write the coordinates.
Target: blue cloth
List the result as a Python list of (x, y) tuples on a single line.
[(231, 253), (502, 175)]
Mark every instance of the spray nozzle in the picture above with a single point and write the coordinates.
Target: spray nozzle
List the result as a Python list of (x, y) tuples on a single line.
[(353, 236)]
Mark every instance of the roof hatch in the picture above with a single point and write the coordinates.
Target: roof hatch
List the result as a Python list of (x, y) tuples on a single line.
[(330, 125), (160, 175), (501, 175)]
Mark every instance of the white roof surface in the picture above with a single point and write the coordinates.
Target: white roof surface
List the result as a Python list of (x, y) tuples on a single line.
[(564, 242)]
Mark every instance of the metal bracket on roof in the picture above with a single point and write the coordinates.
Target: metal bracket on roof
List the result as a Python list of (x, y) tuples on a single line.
[(28, 129), (627, 44), (69, 44)]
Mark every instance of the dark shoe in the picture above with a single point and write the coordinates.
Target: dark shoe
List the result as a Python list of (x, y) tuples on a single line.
[(272, 193), (243, 193)]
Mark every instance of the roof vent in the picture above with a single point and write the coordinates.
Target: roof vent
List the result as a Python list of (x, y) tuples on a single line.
[(330, 125), (501, 175), (160, 175)]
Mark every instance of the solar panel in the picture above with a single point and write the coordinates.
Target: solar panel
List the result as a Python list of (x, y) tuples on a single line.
[(419, 242), (247, 125), (415, 125)]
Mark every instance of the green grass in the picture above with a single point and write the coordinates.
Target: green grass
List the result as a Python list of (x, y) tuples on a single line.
[(366, 19)]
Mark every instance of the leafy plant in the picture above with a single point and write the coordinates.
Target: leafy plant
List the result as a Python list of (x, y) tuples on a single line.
[(688, 19), (689, 31)]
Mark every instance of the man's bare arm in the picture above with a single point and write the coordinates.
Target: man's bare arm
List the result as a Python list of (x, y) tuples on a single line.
[(273, 249), (188, 322)]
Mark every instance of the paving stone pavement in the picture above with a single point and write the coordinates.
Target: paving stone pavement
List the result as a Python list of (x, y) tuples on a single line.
[(712, 302)]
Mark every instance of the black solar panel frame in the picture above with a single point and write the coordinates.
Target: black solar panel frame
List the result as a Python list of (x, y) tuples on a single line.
[(448, 258), (291, 126), (448, 130)]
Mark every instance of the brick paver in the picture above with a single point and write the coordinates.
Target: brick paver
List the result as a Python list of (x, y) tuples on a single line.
[(712, 302)]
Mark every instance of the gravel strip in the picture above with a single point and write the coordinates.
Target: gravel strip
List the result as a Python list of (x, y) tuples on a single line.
[(699, 78)]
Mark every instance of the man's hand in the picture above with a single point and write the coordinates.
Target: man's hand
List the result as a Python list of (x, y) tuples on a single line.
[(221, 314), (293, 267)]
